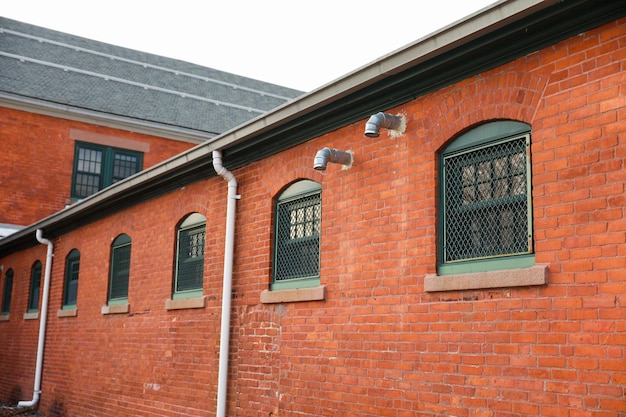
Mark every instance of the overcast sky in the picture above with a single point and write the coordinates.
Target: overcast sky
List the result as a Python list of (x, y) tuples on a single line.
[(294, 43)]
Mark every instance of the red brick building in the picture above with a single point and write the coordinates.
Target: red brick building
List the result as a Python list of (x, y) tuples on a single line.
[(468, 261), (77, 115)]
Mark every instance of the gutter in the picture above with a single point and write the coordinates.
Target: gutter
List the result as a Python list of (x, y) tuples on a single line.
[(42, 321)]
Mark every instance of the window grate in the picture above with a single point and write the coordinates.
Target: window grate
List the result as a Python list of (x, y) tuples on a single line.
[(487, 200), (120, 271), (190, 258), (8, 292), (35, 285), (71, 278), (298, 238)]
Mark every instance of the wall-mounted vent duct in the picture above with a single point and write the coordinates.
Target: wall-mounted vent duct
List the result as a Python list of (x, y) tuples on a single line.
[(326, 155), (384, 120)]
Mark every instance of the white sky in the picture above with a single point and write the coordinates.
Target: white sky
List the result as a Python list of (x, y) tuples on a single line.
[(298, 44)]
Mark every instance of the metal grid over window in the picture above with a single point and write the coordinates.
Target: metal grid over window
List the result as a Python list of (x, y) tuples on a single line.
[(297, 251), (8, 292), (71, 278), (35, 286), (190, 262), (486, 194), (120, 268)]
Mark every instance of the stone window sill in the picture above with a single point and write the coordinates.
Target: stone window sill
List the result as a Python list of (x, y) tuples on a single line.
[(523, 277), (185, 303), (295, 295), (70, 312), (115, 309), (31, 316), (4, 317)]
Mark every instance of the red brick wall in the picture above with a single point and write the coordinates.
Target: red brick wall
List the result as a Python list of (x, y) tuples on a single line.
[(37, 161), (378, 345)]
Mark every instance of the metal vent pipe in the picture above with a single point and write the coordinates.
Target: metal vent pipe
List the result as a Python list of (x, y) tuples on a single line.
[(326, 155), (380, 119)]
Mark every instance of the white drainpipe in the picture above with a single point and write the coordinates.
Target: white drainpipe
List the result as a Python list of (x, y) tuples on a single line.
[(228, 280), (42, 321)]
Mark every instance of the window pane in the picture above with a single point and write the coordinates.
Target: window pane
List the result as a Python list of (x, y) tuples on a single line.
[(120, 271), (190, 268), (71, 278), (124, 166), (298, 224), (486, 202), (8, 290), (35, 285)]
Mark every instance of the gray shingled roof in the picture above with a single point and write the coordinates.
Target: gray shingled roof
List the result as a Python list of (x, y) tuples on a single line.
[(42, 64)]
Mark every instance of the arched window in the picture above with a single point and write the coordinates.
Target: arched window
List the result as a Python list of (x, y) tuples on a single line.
[(485, 217), (189, 272), (298, 217), (35, 286), (119, 270), (7, 293), (72, 266)]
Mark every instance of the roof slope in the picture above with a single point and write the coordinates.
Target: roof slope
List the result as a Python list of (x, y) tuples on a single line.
[(55, 67)]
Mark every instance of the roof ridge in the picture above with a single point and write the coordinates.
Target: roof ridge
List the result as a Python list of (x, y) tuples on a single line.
[(143, 64), (133, 83)]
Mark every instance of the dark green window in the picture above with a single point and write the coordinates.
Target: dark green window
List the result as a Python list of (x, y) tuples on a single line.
[(485, 191), (72, 265), (96, 167), (35, 286), (8, 290), (190, 257), (120, 270), (297, 236)]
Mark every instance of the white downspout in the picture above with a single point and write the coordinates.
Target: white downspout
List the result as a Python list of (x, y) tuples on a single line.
[(42, 321), (228, 280)]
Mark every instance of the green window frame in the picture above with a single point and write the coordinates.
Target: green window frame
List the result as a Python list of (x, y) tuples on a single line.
[(190, 245), (485, 220), (7, 293), (70, 287), (119, 270), (96, 167), (35, 287), (297, 230)]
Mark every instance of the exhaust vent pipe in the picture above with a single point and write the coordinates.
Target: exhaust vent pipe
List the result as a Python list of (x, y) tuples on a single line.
[(385, 120), (326, 155)]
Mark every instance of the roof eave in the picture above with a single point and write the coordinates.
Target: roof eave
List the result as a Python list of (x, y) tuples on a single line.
[(514, 28)]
